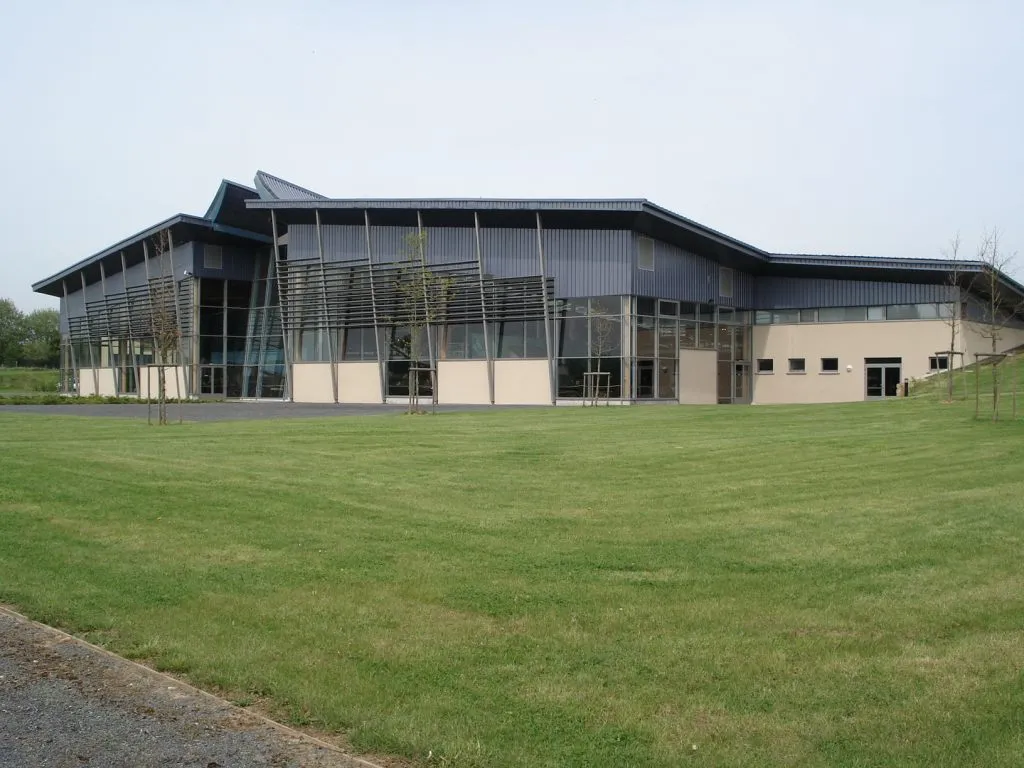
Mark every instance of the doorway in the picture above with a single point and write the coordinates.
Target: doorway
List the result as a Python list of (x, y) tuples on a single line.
[(882, 377), (645, 379)]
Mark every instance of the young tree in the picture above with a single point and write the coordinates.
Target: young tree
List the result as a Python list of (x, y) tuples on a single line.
[(423, 299), (955, 278), (164, 319), (605, 339), (999, 306)]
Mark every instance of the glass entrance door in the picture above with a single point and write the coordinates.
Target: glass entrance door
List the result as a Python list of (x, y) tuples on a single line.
[(882, 377)]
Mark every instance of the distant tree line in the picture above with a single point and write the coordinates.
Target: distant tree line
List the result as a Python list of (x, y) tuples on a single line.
[(29, 339)]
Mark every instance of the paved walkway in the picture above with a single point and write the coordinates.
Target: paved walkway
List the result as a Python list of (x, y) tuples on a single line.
[(66, 703)]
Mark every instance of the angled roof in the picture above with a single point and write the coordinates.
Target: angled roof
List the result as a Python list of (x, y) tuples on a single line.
[(226, 220), (274, 188)]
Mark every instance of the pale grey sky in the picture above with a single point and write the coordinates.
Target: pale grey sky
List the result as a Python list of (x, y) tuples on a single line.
[(876, 128)]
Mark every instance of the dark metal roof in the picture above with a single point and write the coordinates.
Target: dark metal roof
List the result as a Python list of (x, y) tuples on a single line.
[(184, 228), (274, 188)]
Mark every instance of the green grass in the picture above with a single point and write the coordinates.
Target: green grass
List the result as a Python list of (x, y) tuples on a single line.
[(975, 377), (23, 381), (818, 586)]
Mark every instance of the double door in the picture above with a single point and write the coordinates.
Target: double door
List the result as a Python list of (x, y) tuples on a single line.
[(883, 376)]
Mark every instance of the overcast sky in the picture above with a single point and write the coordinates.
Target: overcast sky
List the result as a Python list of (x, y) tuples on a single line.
[(866, 128)]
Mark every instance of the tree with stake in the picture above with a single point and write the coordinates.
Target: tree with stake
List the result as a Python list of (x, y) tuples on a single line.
[(164, 319), (955, 278)]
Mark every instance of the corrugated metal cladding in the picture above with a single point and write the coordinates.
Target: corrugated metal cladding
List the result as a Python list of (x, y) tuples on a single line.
[(135, 276), (237, 263), (583, 262), (797, 292), (685, 276)]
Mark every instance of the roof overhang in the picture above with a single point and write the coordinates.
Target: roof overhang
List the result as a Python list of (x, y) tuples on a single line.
[(183, 228)]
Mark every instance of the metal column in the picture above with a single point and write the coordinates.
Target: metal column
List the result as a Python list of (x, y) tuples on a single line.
[(282, 301), (483, 307), (75, 371), (131, 336), (548, 338), (426, 310), (331, 348), (110, 339), (88, 324), (381, 372)]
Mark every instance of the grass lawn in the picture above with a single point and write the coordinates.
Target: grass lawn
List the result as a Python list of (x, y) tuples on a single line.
[(820, 585), (24, 381)]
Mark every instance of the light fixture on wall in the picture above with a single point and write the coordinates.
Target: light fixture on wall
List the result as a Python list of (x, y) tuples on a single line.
[(849, 369)]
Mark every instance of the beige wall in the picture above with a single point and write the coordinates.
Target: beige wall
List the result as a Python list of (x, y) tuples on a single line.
[(975, 341), (912, 340), (105, 377), (463, 382), (86, 382), (173, 382), (358, 382), (522, 382), (698, 376), (312, 383)]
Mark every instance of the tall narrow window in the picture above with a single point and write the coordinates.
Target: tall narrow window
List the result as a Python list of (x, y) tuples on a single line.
[(725, 282), (645, 254)]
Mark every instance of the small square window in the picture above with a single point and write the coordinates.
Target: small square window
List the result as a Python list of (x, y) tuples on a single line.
[(645, 254), (938, 363), (797, 365), (830, 365), (765, 365), (725, 282), (213, 257)]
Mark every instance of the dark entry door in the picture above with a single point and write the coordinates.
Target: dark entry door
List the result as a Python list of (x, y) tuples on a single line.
[(644, 378), (882, 376)]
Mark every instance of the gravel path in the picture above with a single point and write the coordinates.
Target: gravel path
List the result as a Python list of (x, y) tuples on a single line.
[(66, 703)]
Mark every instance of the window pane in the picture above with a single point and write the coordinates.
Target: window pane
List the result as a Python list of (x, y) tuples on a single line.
[(570, 377), (876, 313), (808, 315), (830, 364), (610, 385), (688, 310), (399, 344), (796, 365), (687, 335), (455, 344), (668, 335), (645, 337), (705, 313), (211, 349), (238, 322), (536, 346), (725, 315), (645, 254), (740, 343), (765, 365), (645, 305), (786, 316), (762, 317), (211, 322), (572, 337), (476, 348), (725, 342), (606, 305), (928, 311), (605, 336), (211, 292), (901, 312), (511, 339), (945, 311), (669, 308), (706, 336), (239, 293)]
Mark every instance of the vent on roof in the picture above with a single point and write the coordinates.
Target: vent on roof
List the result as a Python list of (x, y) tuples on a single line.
[(213, 257), (645, 254)]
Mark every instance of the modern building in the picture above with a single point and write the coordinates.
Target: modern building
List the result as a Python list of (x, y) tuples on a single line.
[(279, 292)]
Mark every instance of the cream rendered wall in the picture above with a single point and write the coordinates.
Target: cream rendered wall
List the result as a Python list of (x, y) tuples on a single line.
[(463, 382), (975, 341), (105, 377), (522, 382), (359, 382), (698, 376), (912, 340), (86, 382), (312, 383), (174, 382)]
